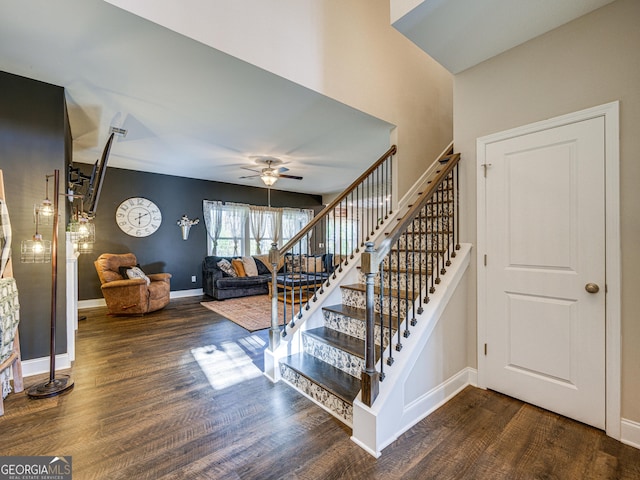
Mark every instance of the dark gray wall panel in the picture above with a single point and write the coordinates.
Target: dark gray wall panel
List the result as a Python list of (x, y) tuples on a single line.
[(33, 134), (164, 250)]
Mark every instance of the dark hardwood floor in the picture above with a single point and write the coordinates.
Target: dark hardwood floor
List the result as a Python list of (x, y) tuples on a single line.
[(143, 408)]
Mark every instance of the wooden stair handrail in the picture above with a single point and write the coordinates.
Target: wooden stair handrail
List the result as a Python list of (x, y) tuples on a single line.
[(449, 161), (337, 200)]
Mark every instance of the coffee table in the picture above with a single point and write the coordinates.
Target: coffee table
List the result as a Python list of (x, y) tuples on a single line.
[(296, 287)]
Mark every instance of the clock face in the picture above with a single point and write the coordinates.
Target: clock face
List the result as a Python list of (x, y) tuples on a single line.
[(138, 217)]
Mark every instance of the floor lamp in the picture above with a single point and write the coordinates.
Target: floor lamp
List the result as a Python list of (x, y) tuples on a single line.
[(32, 252)]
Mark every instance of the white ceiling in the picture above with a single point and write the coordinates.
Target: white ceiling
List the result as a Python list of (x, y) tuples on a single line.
[(194, 111), (190, 110), (462, 33)]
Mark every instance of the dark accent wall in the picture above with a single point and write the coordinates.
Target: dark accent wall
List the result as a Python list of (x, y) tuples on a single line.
[(34, 141), (164, 250)]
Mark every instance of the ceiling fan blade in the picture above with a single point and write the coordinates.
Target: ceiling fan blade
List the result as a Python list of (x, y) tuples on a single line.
[(251, 169), (250, 176), (282, 170), (292, 177)]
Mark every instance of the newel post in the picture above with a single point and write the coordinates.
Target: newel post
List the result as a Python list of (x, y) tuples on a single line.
[(274, 332), (370, 377)]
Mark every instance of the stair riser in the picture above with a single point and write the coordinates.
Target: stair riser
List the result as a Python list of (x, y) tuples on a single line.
[(442, 196), (414, 259), (423, 242), (346, 362), (392, 281), (352, 326), (430, 224), (339, 407), (357, 299)]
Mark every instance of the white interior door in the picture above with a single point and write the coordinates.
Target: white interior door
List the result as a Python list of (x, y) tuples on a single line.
[(545, 246)]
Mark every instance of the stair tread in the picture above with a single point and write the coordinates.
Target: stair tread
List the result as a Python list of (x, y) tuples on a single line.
[(332, 379), (342, 341), (358, 313)]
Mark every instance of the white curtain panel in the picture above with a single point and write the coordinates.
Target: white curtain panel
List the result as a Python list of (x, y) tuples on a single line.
[(236, 213), (276, 224), (265, 223), (259, 218), (212, 213)]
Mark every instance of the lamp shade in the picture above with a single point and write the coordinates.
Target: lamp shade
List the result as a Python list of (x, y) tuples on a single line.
[(82, 234), (36, 250), (269, 178)]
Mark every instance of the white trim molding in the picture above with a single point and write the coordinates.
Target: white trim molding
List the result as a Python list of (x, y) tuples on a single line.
[(630, 433), (93, 303), (37, 366), (99, 302), (610, 112)]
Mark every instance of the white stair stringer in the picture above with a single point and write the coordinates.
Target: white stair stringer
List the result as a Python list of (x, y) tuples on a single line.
[(405, 397)]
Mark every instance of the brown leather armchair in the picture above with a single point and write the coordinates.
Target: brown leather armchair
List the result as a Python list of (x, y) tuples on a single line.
[(130, 296)]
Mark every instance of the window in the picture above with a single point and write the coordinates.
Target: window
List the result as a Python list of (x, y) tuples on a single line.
[(294, 220), (265, 228), (226, 228), (235, 229), (343, 229)]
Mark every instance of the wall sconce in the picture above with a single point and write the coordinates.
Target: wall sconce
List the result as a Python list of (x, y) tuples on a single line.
[(185, 224)]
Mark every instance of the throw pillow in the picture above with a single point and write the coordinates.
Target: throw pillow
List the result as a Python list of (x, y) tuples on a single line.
[(293, 263), (250, 266), (136, 272), (123, 270), (264, 267), (227, 268), (238, 266), (262, 263), (313, 264)]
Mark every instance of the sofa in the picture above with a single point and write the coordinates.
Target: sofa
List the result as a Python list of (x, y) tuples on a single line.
[(220, 285)]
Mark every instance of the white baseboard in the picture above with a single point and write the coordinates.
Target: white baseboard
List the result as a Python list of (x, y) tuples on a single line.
[(37, 366), (630, 433), (441, 394), (99, 302), (195, 292), (96, 302)]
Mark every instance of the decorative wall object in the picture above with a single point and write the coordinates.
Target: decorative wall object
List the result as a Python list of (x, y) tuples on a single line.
[(185, 224)]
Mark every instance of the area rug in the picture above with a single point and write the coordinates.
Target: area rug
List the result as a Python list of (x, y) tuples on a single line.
[(252, 313)]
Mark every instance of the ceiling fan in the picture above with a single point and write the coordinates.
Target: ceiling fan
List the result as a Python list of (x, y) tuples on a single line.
[(270, 175)]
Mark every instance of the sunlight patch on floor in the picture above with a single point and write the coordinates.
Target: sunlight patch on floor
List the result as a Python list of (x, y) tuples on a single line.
[(228, 364), (253, 343)]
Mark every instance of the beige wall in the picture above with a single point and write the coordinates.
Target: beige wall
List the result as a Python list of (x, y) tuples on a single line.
[(590, 61), (345, 50)]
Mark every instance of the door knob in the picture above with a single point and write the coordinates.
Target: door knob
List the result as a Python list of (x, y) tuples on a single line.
[(592, 287)]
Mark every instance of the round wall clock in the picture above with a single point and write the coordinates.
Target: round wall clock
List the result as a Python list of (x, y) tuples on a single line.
[(138, 217)]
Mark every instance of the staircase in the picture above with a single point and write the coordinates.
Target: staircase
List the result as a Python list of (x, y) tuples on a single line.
[(345, 348), (329, 368)]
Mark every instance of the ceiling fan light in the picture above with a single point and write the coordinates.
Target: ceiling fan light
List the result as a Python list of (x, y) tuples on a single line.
[(268, 178)]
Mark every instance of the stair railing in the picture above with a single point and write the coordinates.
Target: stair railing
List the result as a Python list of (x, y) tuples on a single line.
[(409, 264), (306, 264)]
